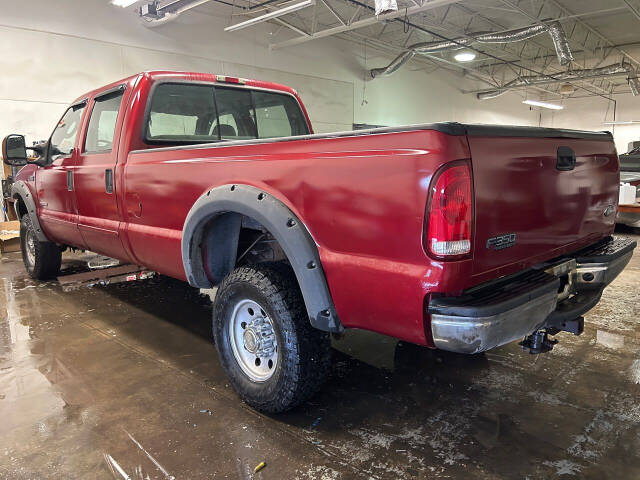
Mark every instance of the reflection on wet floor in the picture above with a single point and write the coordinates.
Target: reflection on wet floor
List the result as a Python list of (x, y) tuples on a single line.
[(123, 381)]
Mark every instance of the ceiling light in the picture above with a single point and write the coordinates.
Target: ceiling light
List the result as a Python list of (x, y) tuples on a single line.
[(622, 122), (275, 14), (465, 56), (123, 3), (536, 103)]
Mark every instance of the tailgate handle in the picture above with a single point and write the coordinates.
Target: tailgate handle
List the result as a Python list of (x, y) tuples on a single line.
[(566, 159)]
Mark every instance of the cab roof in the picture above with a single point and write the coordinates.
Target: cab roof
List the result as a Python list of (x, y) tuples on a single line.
[(154, 75)]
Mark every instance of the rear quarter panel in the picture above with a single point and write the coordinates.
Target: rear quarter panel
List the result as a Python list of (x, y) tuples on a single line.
[(362, 198)]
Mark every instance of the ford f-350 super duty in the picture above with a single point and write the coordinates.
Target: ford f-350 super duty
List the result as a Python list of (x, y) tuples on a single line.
[(450, 236)]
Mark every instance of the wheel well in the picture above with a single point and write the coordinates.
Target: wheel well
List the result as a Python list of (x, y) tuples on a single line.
[(20, 206), (252, 244), (232, 224)]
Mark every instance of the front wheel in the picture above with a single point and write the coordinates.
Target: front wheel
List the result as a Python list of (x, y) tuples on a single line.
[(41, 259), (272, 355)]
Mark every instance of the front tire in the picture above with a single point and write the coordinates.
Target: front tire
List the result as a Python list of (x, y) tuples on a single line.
[(271, 354), (41, 259)]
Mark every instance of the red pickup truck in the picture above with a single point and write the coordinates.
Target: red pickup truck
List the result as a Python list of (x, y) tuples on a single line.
[(450, 236)]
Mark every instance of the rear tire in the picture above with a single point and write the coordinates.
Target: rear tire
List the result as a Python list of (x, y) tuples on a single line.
[(41, 259), (259, 309)]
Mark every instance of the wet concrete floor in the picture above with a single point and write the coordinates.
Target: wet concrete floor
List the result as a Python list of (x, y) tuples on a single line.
[(123, 382)]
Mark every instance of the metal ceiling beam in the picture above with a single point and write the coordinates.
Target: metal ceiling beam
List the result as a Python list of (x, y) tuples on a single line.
[(551, 55), (510, 64), (333, 11), (427, 5), (633, 9), (566, 12), (549, 82), (294, 7), (290, 26), (515, 4)]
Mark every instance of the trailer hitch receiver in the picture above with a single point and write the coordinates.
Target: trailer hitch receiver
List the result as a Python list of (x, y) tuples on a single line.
[(538, 342)]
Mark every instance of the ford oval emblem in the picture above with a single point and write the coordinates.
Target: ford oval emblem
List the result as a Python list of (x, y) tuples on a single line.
[(609, 210)]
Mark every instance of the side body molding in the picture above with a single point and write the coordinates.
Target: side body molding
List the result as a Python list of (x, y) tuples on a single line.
[(281, 222), (20, 190)]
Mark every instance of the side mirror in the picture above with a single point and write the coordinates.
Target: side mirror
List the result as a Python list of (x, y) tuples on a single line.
[(41, 149), (14, 151)]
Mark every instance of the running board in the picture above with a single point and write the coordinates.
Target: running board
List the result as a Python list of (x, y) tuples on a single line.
[(105, 276)]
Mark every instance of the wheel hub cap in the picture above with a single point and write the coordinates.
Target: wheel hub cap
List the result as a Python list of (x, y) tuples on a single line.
[(253, 340), (31, 248)]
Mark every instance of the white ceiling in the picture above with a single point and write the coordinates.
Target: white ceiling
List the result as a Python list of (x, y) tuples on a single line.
[(600, 32)]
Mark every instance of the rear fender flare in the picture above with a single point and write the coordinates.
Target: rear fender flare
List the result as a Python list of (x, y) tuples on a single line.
[(216, 205), (20, 191)]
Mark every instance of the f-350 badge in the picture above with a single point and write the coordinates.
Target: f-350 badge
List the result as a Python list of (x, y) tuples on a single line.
[(501, 241)]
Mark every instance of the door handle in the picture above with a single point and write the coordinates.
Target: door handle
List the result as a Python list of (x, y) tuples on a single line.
[(70, 180), (108, 180)]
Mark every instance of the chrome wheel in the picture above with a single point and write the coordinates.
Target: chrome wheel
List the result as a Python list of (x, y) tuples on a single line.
[(31, 247), (253, 340)]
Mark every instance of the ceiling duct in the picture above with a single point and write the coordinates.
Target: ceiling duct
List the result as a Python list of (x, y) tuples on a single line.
[(554, 29), (582, 74), (153, 14), (385, 6)]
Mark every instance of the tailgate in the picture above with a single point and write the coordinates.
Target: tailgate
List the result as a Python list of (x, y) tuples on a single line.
[(531, 203)]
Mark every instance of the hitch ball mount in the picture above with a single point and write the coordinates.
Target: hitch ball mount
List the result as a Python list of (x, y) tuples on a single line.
[(539, 341)]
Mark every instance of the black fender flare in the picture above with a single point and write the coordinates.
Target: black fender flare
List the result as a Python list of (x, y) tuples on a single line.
[(280, 221), (20, 190)]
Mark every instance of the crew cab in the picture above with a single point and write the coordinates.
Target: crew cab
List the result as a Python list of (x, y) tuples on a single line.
[(450, 236)]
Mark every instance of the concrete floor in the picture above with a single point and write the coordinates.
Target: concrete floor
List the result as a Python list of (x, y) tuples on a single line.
[(127, 375)]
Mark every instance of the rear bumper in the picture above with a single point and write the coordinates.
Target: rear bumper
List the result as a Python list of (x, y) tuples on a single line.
[(502, 311)]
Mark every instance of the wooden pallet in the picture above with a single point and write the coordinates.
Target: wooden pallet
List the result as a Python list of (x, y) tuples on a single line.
[(629, 208), (105, 276)]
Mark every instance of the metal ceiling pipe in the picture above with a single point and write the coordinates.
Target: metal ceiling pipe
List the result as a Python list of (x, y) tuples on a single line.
[(171, 11), (514, 35), (426, 48), (560, 42), (397, 62), (581, 74), (554, 29)]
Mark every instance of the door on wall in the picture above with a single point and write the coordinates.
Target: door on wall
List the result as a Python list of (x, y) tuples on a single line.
[(98, 215), (55, 183)]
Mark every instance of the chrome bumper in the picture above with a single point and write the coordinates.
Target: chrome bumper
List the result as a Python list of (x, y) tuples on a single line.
[(498, 313)]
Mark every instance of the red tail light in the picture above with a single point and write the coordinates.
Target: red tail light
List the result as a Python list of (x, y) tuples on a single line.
[(448, 223)]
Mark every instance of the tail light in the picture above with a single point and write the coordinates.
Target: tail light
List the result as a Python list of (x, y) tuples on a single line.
[(449, 218)]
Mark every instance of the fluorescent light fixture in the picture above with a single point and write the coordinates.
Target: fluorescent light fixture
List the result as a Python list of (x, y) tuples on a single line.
[(268, 16), (123, 3), (536, 103), (622, 122), (465, 56)]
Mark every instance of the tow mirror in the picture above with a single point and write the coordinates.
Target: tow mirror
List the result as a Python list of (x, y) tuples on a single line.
[(14, 150)]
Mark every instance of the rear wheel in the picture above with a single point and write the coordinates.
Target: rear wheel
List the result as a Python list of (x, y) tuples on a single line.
[(273, 357), (41, 259)]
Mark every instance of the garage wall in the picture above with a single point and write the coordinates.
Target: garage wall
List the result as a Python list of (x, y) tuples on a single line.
[(55, 51), (591, 113)]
